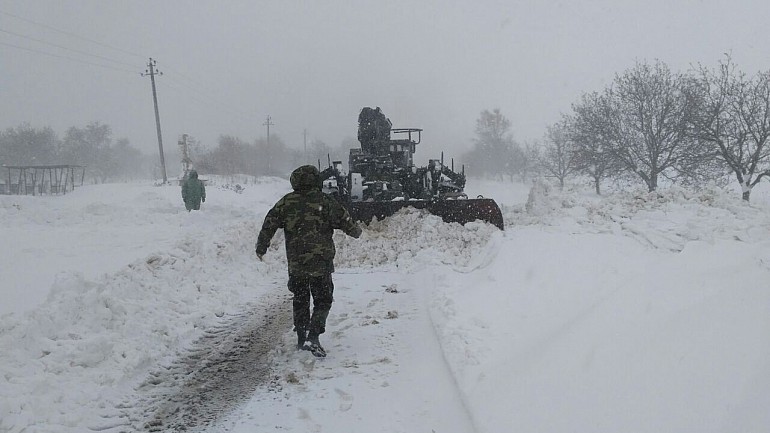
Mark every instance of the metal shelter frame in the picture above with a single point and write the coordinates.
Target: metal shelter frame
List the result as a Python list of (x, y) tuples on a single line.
[(40, 179)]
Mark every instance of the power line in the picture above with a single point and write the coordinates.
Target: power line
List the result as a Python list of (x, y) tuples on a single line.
[(187, 77), (72, 34), (182, 87), (201, 89), (66, 58), (197, 86), (207, 98), (65, 48)]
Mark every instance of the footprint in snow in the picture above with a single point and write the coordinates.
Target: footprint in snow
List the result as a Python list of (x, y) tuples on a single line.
[(374, 302), (346, 400)]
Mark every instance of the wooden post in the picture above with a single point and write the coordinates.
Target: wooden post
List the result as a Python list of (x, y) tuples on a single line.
[(34, 181), (58, 180)]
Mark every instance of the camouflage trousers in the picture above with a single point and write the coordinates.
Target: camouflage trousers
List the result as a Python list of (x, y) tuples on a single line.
[(322, 290)]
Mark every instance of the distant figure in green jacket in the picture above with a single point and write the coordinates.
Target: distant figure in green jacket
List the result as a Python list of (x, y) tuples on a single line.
[(193, 192)]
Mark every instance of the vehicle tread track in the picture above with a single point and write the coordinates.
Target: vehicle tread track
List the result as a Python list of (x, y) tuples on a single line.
[(218, 372)]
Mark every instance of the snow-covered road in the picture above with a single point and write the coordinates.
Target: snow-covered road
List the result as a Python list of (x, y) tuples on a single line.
[(633, 312), (382, 372), (158, 319)]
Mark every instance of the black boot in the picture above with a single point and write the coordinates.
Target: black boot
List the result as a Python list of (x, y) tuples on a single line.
[(314, 346), (301, 337)]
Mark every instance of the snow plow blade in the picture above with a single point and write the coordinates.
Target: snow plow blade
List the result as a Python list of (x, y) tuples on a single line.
[(451, 211)]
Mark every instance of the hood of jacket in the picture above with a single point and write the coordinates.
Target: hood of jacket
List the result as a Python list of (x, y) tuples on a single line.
[(193, 174), (305, 178)]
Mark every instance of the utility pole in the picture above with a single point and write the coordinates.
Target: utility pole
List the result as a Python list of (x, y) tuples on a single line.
[(151, 71), (269, 156), (304, 139)]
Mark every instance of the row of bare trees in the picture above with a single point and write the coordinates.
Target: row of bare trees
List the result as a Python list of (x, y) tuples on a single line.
[(91, 146), (258, 158), (654, 124), (106, 159), (651, 124)]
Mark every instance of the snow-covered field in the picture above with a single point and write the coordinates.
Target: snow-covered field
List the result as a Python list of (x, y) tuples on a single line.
[(633, 312)]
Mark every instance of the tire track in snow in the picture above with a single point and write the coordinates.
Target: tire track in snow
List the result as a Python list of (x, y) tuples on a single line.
[(447, 366), (221, 370)]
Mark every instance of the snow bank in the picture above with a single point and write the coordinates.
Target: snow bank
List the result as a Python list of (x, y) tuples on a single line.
[(640, 312)]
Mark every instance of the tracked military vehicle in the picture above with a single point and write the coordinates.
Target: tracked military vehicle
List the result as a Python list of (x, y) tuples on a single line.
[(382, 178)]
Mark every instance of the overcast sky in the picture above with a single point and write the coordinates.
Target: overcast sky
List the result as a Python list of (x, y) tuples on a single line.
[(313, 65)]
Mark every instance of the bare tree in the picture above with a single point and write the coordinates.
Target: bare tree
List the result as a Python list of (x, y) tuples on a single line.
[(275, 158), (651, 111), (26, 145), (559, 156), (734, 121), (90, 146), (231, 156), (526, 158), (590, 131), (493, 145), (127, 160), (319, 152)]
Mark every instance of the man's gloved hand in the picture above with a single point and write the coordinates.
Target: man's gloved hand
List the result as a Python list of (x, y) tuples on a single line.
[(256, 250)]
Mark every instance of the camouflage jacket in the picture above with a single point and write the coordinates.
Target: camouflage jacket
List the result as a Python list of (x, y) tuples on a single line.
[(308, 218)]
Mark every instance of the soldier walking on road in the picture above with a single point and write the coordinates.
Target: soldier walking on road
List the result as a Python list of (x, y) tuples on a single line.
[(308, 218)]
